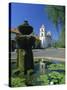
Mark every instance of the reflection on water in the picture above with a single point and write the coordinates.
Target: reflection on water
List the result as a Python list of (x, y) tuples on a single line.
[(48, 72), (43, 66)]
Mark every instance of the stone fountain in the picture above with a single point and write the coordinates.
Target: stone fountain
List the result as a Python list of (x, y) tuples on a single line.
[(25, 42)]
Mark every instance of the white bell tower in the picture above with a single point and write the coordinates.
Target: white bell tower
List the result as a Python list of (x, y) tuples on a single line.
[(43, 36)]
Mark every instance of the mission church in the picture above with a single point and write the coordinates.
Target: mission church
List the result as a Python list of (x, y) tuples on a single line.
[(44, 37)]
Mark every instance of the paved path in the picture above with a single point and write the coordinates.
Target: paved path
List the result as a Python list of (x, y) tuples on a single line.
[(54, 54)]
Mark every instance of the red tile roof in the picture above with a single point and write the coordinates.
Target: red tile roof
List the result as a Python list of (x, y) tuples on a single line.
[(15, 30)]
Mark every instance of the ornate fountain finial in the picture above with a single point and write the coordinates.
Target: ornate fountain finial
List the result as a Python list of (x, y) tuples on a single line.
[(25, 28)]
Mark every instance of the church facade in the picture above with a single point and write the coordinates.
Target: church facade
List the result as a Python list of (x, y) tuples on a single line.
[(45, 37)]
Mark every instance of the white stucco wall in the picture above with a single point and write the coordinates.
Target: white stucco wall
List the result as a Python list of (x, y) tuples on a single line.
[(13, 36)]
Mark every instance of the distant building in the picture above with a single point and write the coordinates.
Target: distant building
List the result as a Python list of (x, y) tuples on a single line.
[(45, 37), (13, 33)]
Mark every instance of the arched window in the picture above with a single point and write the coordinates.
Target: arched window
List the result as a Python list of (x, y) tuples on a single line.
[(42, 30)]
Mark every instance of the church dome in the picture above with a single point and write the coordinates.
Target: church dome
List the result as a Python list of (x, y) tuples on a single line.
[(49, 33)]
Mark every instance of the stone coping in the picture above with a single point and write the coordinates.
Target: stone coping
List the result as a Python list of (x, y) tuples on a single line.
[(51, 58)]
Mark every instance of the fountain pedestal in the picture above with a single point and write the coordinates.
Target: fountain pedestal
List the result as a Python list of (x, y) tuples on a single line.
[(25, 42)]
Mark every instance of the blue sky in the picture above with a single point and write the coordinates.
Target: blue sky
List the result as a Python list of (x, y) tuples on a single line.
[(36, 16)]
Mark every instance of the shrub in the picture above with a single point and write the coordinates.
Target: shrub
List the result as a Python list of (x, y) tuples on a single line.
[(17, 82)]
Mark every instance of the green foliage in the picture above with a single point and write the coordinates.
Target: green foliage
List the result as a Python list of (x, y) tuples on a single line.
[(44, 79), (19, 79), (37, 43), (62, 38), (17, 82), (57, 15), (41, 79), (59, 43), (56, 67), (57, 78)]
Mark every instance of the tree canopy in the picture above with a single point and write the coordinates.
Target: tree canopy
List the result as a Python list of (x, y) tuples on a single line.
[(57, 15)]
